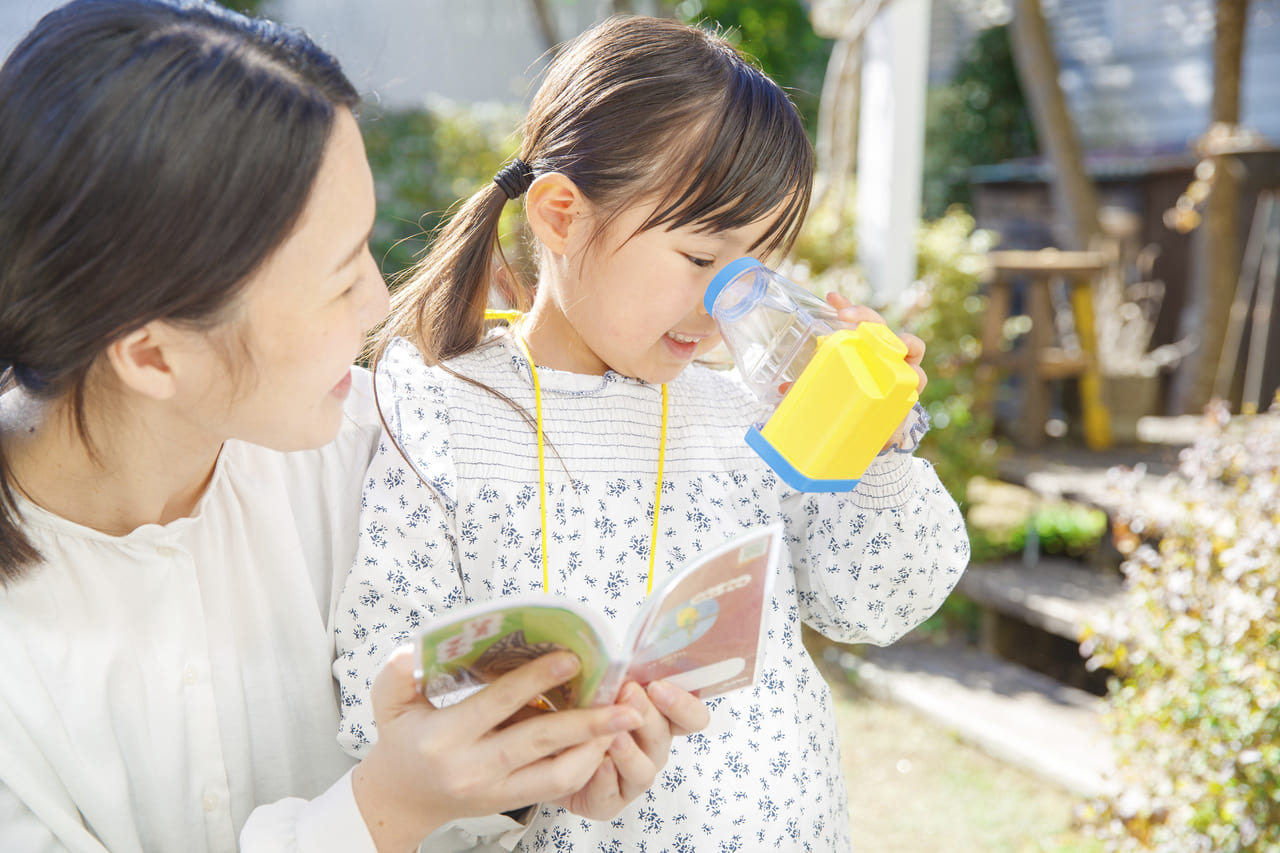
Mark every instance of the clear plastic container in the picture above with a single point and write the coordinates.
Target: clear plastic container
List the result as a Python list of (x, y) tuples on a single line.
[(836, 393), (770, 325)]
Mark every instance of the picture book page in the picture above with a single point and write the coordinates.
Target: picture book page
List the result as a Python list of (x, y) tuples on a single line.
[(481, 642), (704, 628)]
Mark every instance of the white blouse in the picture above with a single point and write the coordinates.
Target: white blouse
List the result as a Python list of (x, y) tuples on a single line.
[(156, 688)]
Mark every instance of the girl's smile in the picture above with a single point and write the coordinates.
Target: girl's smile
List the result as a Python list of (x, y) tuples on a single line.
[(684, 346)]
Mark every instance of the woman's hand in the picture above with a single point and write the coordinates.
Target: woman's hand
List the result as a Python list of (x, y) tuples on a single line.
[(634, 758), (854, 314), (432, 765)]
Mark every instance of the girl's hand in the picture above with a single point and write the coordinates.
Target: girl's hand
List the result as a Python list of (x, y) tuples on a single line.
[(847, 312), (850, 313), (432, 765), (634, 758)]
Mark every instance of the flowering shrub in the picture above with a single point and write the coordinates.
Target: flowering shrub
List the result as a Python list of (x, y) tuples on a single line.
[(1195, 707)]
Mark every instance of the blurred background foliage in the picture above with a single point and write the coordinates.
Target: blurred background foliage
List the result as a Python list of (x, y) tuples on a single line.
[(778, 34), (424, 163), (979, 118), (1195, 704)]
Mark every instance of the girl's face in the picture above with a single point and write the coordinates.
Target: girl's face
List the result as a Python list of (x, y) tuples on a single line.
[(302, 321), (633, 304)]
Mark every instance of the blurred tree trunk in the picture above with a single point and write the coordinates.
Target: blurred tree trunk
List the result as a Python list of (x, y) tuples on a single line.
[(546, 26), (1217, 285), (1075, 200), (840, 101), (837, 142)]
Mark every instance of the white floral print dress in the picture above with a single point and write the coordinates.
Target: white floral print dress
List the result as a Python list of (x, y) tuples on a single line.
[(862, 566)]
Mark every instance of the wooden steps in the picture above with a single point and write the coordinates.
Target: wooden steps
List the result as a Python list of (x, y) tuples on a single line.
[(1057, 595)]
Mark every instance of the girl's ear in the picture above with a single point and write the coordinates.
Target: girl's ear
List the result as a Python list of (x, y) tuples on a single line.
[(553, 207), (140, 359)]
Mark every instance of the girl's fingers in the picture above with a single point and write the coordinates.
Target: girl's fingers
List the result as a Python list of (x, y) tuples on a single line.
[(859, 314), (654, 734), (915, 348), (602, 795), (636, 770), (850, 313), (599, 799), (685, 712), (915, 355)]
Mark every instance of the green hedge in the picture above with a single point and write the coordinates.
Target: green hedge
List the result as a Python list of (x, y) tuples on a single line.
[(1195, 707)]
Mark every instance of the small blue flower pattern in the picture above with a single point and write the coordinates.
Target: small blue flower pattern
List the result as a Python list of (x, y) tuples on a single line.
[(863, 566)]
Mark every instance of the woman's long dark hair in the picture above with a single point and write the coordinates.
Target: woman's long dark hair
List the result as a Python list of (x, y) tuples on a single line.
[(154, 153), (632, 110)]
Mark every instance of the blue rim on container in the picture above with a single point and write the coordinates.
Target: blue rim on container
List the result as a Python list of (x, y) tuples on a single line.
[(721, 280), (789, 473)]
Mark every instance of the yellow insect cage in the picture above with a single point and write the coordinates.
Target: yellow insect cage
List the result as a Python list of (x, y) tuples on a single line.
[(841, 411)]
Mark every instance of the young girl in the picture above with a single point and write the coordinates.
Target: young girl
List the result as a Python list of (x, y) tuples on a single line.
[(528, 458), (185, 206)]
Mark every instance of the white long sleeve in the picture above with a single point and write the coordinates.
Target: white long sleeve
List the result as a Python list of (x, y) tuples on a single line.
[(329, 822), (156, 688)]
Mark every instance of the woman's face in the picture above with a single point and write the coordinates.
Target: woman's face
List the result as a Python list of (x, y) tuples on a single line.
[(302, 320)]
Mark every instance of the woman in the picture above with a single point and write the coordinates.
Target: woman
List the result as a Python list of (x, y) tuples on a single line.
[(184, 283)]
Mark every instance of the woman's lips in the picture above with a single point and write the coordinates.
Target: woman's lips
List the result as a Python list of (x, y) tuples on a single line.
[(343, 388)]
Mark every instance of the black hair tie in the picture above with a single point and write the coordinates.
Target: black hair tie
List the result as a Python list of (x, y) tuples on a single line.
[(514, 178), (22, 374)]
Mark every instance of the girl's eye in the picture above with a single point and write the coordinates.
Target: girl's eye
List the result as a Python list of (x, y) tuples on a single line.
[(699, 262)]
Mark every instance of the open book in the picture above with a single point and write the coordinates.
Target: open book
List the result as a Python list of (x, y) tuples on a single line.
[(702, 629)]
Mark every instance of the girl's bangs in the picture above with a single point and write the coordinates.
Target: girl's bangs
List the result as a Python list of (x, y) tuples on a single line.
[(744, 163)]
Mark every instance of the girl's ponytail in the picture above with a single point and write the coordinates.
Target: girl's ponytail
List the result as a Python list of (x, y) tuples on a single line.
[(440, 306)]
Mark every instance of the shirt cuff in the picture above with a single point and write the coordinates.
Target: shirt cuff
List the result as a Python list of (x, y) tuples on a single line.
[(332, 821), (492, 832), (888, 483), (908, 435)]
